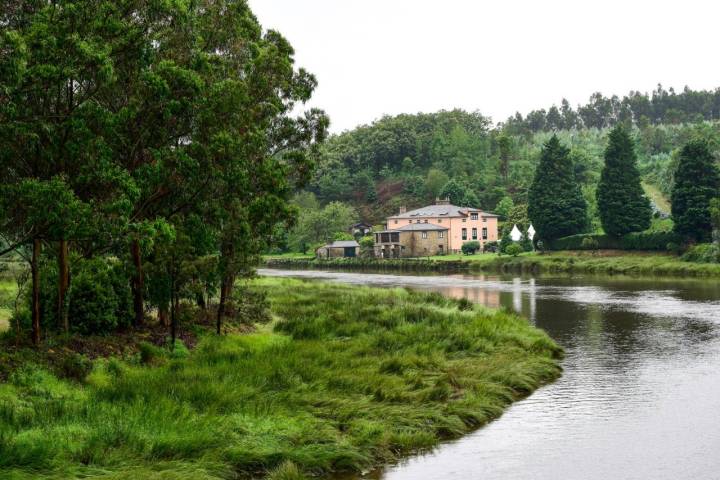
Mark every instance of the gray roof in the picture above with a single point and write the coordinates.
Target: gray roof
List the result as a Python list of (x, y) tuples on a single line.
[(421, 227), (442, 211), (342, 244)]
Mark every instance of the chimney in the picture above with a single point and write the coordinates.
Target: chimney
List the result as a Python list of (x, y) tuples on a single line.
[(444, 201), (402, 210)]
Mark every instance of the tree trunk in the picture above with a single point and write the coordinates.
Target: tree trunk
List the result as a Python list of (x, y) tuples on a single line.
[(225, 295), (163, 316), (35, 269), (173, 318), (138, 283), (63, 285)]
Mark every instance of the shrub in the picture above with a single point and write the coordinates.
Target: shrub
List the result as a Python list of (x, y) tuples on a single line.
[(703, 253), (589, 243), (514, 249), (99, 298), (490, 246), (469, 248), (656, 241)]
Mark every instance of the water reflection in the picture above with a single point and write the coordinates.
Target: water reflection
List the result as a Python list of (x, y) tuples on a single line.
[(639, 398)]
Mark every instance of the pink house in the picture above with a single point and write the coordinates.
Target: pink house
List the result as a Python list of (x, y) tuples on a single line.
[(464, 224)]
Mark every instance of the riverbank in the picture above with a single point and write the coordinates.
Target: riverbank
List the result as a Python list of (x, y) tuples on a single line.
[(602, 262), (344, 379)]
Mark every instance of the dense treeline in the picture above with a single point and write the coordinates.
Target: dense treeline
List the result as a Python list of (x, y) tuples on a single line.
[(637, 108), (147, 155)]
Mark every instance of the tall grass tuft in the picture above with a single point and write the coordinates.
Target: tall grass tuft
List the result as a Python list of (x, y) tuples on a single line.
[(345, 379)]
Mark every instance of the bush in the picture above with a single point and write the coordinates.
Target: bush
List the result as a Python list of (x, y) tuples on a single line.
[(589, 243), (703, 253), (514, 249), (99, 298), (490, 247), (469, 248), (656, 241)]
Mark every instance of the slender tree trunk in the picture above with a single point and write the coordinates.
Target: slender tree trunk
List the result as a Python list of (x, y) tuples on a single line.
[(226, 288), (173, 318), (163, 316), (63, 285), (35, 269), (138, 283)]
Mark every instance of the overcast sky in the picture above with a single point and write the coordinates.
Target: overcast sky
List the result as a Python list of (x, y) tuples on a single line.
[(376, 57)]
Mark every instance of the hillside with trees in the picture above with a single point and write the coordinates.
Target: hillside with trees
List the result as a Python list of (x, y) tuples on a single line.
[(409, 160)]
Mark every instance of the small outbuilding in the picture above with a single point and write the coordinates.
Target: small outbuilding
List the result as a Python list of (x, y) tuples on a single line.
[(361, 229), (339, 249)]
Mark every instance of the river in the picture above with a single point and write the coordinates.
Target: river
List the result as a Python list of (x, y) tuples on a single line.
[(640, 393)]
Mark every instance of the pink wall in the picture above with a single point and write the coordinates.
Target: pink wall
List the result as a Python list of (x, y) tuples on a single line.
[(455, 224)]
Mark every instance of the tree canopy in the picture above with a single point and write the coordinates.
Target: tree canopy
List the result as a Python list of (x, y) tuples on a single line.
[(556, 206), (622, 203)]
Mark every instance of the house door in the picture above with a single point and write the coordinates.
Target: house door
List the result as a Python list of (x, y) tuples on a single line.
[(349, 251)]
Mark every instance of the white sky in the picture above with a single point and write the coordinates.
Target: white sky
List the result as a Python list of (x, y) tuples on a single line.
[(375, 57)]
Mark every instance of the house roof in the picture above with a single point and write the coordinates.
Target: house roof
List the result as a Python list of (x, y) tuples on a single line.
[(442, 210), (342, 244), (417, 227)]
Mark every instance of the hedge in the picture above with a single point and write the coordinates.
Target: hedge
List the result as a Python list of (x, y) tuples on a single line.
[(632, 241)]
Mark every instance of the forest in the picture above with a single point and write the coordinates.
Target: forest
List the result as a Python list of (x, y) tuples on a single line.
[(409, 160)]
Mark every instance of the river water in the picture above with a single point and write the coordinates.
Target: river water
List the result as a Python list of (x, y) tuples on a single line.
[(639, 397)]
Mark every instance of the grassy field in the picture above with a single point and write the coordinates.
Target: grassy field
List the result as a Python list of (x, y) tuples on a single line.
[(344, 379), (657, 197), (602, 262), (7, 297)]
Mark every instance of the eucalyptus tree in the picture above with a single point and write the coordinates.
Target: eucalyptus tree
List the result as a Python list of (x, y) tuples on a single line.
[(56, 171)]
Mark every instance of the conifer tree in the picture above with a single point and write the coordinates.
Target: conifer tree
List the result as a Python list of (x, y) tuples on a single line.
[(697, 182), (556, 205), (622, 204)]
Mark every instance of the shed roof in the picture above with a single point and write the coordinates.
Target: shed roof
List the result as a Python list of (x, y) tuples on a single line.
[(342, 244)]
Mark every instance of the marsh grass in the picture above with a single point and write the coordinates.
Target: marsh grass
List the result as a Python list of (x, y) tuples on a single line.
[(344, 379)]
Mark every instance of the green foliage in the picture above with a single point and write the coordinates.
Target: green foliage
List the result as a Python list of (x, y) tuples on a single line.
[(361, 377), (504, 207), (99, 299), (320, 226), (697, 182), (514, 249), (589, 243), (555, 203), (703, 253), (435, 181), (470, 248), (650, 241), (622, 204)]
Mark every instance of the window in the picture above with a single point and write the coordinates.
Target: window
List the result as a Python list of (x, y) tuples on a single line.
[(395, 237), (441, 234), (439, 220), (395, 222), (484, 219), (426, 220), (484, 232), (464, 233), (473, 216), (474, 234), (440, 248), (424, 234), (464, 220), (384, 237)]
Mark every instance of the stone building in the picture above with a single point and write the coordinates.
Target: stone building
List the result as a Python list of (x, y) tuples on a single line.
[(412, 240), (338, 249)]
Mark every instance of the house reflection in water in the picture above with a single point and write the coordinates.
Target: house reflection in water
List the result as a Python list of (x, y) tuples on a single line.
[(489, 298)]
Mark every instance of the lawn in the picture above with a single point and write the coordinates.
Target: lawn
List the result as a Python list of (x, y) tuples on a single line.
[(344, 379)]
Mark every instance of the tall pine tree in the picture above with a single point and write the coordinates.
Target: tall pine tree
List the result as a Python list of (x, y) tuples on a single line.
[(622, 204), (697, 182), (556, 206)]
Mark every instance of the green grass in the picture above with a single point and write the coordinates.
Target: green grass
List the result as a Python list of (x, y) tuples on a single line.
[(8, 289), (657, 197), (625, 263), (346, 378)]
